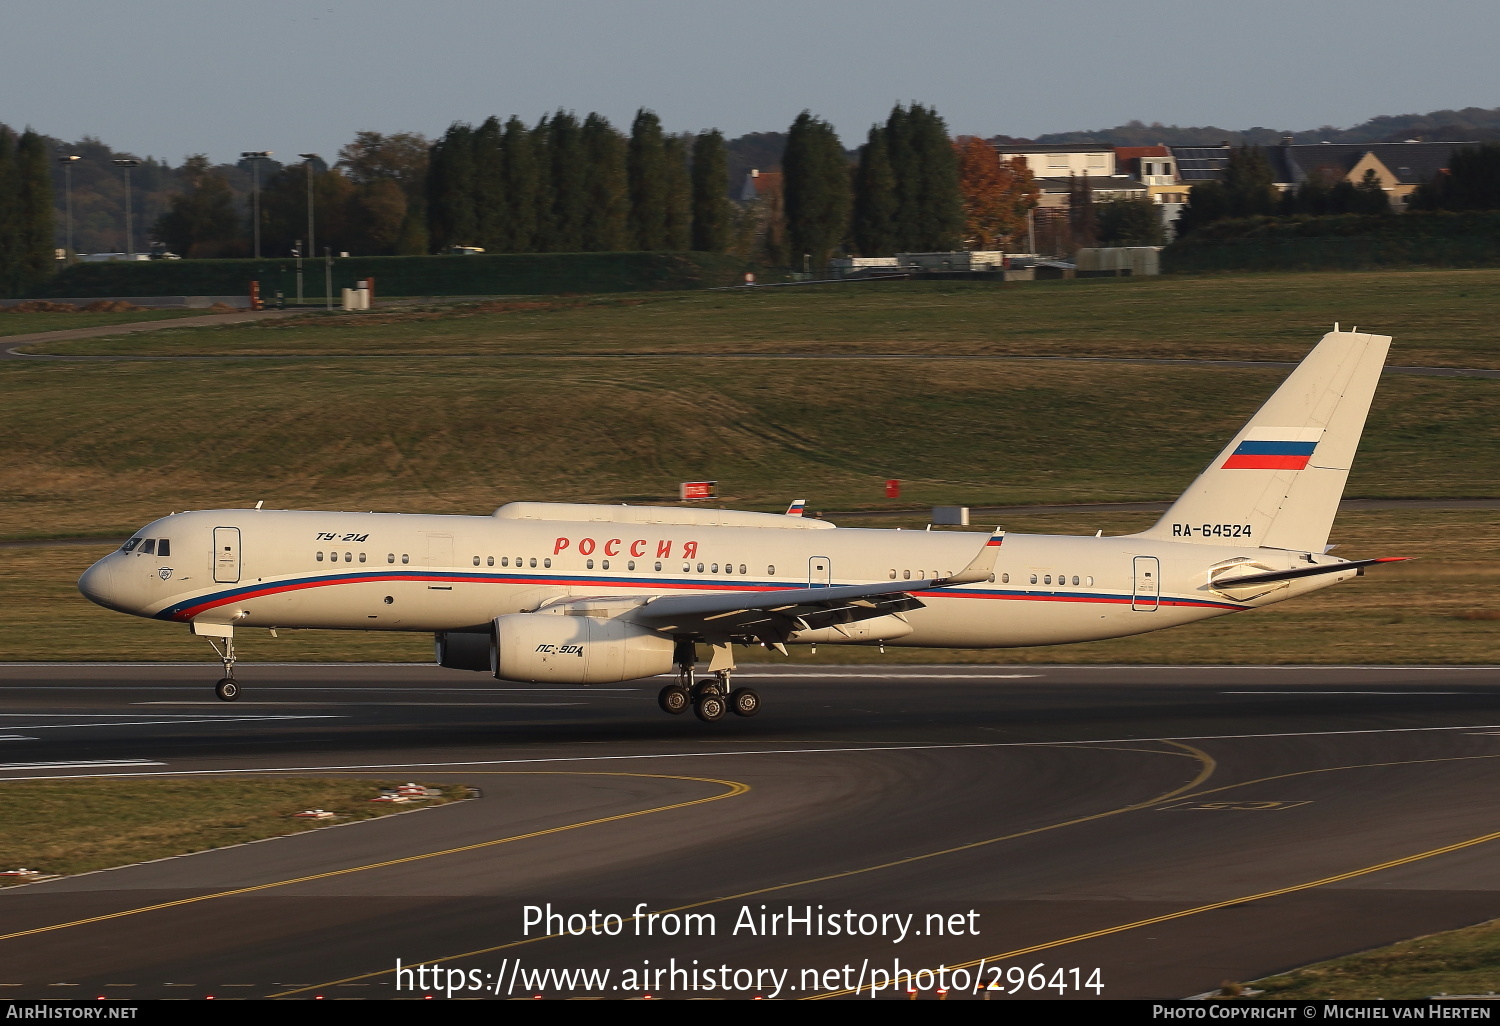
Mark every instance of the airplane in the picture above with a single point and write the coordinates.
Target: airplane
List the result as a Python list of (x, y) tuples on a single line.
[(571, 593)]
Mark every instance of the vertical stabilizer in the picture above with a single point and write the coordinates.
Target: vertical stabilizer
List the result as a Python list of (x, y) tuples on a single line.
[(1278, 483)]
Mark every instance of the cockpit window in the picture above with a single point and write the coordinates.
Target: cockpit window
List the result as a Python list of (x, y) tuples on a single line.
[(164, 547), (132, 543), (148, 546)]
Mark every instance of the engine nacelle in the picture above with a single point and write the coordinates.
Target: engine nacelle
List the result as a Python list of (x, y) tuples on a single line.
[(461, 650), (557, 648)]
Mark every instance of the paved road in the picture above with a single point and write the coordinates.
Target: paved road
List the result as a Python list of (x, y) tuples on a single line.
[(12, 342), (1170, 827)]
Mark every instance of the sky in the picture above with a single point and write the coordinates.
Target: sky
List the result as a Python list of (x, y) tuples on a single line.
[(172, 77)]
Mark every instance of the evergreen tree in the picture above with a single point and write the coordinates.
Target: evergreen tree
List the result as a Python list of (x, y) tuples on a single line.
[(1470, 182), (1249, 183), (541, 151), (906, 168), (450, 189), (492, 228), (647, 166), (712, 214), (874, 227), (1083, 223), (569, 202), (10, 216), (1370, 196), (37, 235), (817, 190), (1130, 222), (678, 233), (520, 184), (606, 184), (413, 238), (940, 217)]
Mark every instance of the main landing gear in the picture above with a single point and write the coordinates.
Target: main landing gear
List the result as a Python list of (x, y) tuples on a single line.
[(711, 697)]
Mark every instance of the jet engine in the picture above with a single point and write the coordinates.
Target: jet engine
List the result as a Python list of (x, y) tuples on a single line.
[(564, 648), (463, 650)]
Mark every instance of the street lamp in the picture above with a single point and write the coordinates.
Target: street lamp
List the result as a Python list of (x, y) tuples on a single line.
[(255, 157), (127, 163), (308, 159), (67, 163)]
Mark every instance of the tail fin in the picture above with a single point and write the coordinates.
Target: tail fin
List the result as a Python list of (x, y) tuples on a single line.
[(1278, 483), (796, 508)]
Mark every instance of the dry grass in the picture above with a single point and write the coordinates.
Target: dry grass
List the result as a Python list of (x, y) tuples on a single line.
[(1439, 317), (26, 323), (74, 826), (1463, 961), (1416, 612)]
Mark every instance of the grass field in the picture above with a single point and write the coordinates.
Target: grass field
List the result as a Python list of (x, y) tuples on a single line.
[(101, 448), (1441, 609), (1438, 317), (1458, 962), (26, 323), (74, 826)]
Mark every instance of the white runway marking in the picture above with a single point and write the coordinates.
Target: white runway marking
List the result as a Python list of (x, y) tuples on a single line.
[(172, 723), (16, 737), (1477, 727), (888, 676), (1356, 692), (80, 764)]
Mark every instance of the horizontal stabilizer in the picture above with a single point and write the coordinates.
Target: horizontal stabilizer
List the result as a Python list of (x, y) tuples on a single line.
[(1303, 571)]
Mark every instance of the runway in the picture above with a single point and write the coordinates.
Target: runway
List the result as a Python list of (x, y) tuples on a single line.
[(1169, 827)]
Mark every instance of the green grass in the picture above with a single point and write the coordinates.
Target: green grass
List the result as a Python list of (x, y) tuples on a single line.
[(27, 323), (75, 826), (1463, 961), (1437, 317), (1440, 609)]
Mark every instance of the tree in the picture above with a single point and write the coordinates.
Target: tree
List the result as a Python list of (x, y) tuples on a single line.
[(874, 222), (647, 166), (565, 160), (940, 217), (400, 157), (996, 194), (1370, 196), (520, 183), (1130, 222), (1083, 222), (817, 189), (378, 212), (202, 221), (36, 259), (10, 216), (450, 188), (712, 213), (1470, 182), (606, 186), (492, 214), (1249, 184), (678, 227), (541, 149)]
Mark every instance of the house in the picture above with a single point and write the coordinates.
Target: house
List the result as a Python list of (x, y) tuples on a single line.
[(1063, 159), (760, 185)]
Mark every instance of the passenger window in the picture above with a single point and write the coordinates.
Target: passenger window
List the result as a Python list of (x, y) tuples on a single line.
[(700, 568), (489, 561), (164, 547), (1005, 578), (588, 565), (1075, 579), (770, 571), (742, 568), (631, 564), (1033, 578), (361, 557), (906, 575), (476, 560), (713, 569), (390, 557), (505, 561), (658, 566), (604, 564), (405, 557), (132, 543), (893, 575), (148, 546), (1047, 579), (533, 561), (547, 563), (687, 568), (1089, 581), (320, 557)]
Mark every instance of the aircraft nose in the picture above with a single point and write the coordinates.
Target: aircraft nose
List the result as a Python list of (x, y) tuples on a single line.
[(98, 584)]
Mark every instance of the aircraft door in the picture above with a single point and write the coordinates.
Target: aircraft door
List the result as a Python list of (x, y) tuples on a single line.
[(819, 572), (1146, 596), (439, 550), (227, 555)]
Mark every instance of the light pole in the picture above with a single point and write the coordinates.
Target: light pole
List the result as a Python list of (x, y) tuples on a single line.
[(255, 157), (67, 163), (307, 159), (127, 163)]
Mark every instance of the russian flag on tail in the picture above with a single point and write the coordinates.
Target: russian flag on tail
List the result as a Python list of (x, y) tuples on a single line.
[(796, 508), (1273, 448)]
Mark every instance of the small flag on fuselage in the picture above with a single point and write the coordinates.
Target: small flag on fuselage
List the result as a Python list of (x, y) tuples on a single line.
[(796, 508)]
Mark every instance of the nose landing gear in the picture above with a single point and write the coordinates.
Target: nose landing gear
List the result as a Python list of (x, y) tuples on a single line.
[(228, 689)]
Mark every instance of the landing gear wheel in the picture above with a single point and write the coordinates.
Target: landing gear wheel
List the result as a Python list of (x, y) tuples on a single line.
[(710, 707), (227, 690), (673, 699), (709, 686), (744, 702)]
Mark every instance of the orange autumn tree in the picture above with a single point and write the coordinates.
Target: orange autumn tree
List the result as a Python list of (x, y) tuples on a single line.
[(996, 194)]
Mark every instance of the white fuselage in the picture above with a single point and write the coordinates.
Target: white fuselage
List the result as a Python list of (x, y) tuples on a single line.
[(400, 572)]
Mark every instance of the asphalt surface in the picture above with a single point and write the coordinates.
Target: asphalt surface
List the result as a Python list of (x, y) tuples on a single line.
[(1170, 827)]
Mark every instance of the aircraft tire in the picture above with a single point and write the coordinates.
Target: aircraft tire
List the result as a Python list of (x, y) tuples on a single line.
[(227, 689), (673, 699), (710, 707), (744, 702)]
